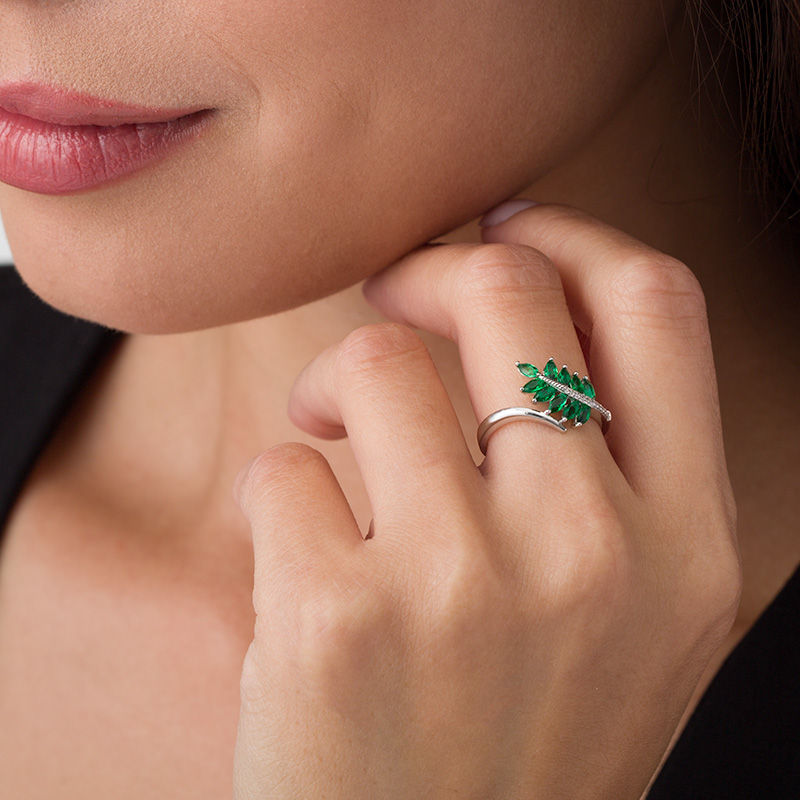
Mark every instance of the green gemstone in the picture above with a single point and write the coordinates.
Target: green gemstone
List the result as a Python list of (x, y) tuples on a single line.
[(545, 393), (571, 409), (551, 370), (528, 370), (563, 376), (583, 413), (576, 382), (534, 385), (559, 401), (588, 389)]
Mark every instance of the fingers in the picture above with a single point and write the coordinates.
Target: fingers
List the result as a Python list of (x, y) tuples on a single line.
[(304, 532), (650, 346), (501, 304), (382, 386)]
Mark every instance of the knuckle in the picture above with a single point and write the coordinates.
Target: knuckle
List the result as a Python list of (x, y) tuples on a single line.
[(466, 596), (714, 511), (660, 291), (710, 607), (336, 630), (591, 564), (713, 584), (699, 584), (495, 271), (274, 472), (723, 589), (253, 682), (379, 345)]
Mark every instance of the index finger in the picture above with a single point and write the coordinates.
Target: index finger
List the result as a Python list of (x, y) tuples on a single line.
[(649, 356)]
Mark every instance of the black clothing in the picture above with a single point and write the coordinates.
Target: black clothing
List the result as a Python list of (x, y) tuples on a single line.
[(45, 357), (743, 740)]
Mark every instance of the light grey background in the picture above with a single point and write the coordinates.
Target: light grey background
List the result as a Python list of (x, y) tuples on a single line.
[(5, 253)]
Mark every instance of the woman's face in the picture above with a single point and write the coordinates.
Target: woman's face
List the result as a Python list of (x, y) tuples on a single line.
[(344, 133)]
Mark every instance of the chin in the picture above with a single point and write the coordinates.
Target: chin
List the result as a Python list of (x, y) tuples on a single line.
[(152, 296), (155, 261), (214, 237), (172, 267)]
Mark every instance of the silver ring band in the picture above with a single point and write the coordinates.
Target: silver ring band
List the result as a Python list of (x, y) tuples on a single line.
[(505, 415)]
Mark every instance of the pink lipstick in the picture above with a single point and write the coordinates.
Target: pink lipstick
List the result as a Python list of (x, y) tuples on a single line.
[(59, 142)]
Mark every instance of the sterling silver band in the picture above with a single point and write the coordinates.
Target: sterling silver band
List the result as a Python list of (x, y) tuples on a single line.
[(503, 416)]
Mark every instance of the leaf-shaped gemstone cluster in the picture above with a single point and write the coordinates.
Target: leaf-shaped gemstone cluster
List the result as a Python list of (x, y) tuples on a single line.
[(544, 392)]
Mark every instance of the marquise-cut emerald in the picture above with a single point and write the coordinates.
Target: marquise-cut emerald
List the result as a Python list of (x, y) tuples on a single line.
[(545, 393), (571, 408), (551, 370), (534, 385)]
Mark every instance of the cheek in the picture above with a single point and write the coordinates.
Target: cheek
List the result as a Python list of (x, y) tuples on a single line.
[(356, 131)]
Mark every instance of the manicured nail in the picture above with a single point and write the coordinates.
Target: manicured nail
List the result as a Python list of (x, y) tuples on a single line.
[(505, 211)]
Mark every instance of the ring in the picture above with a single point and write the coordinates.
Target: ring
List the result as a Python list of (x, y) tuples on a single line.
[(571, 395)]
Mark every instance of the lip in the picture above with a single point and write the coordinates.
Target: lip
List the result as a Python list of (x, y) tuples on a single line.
[(59, 142)]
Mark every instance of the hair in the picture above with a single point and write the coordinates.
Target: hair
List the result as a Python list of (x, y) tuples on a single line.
[(752, 47)]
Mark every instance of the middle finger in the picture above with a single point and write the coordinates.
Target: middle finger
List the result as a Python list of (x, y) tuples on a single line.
[(500, 304)]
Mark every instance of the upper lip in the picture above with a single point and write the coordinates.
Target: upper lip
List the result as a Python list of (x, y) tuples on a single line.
[(68, 107)]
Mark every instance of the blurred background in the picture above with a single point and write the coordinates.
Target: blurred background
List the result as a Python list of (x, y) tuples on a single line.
[(5, 253)]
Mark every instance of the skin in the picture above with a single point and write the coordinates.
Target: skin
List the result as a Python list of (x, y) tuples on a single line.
[(129, 514), (319, 139), (493, 617)]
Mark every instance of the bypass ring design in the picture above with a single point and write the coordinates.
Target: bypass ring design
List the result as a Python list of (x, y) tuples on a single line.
[(570, 395)]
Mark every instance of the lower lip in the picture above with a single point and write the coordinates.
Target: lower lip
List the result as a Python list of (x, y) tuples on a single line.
[(62, 159)]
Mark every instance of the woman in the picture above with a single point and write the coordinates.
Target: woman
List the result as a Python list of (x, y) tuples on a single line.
[(541, 625)]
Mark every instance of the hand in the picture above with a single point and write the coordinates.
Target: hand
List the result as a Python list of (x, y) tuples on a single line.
[(529, 628)]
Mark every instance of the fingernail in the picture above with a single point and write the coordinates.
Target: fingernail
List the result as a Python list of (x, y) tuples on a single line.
[(505, 211)]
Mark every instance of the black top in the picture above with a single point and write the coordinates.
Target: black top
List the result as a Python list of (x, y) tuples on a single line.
[(45, 357), (743, 739)]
